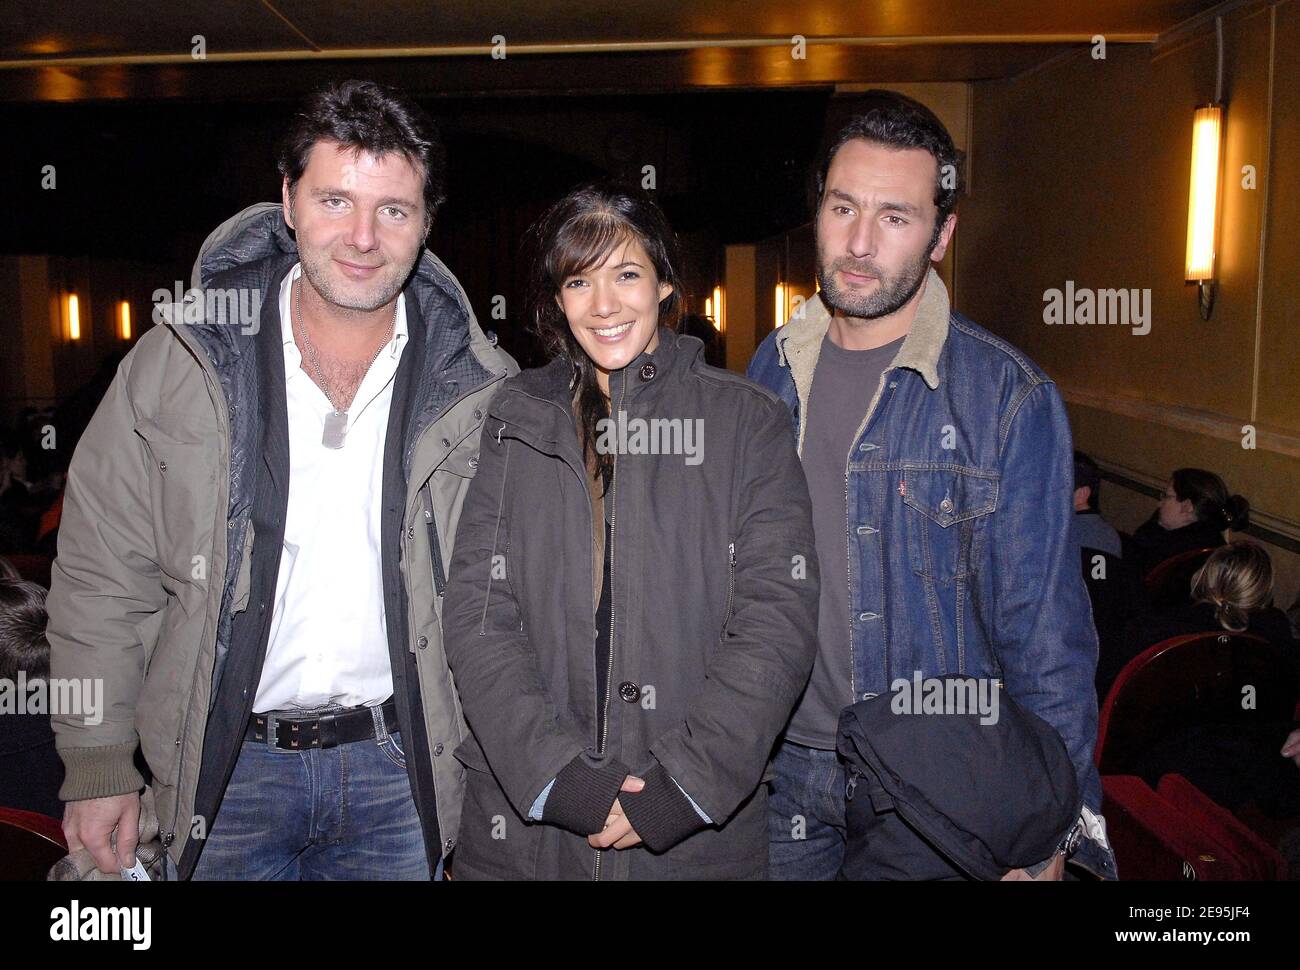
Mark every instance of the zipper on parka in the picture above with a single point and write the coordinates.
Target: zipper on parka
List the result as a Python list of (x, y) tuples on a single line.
[(582, 477), (609, 674), (223, 408), (731, 588)]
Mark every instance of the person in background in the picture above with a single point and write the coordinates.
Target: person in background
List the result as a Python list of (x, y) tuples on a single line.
[(1235, 763), (1193, 513), (30, 769), (17, 515), (1233, 591), (1111, 585), (14, 486), (1090, 530)]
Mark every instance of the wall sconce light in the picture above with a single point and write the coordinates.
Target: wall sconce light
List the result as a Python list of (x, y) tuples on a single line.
[(1203, 195), (714, 311), (124, 319), (72, 317), (781, 310), (1203, 202)]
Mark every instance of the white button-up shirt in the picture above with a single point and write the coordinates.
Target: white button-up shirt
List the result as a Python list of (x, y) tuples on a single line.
[(329, 642)]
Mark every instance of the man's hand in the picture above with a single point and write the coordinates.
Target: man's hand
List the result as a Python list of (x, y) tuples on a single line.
[(618, 831), (89, 824), (1052, 873)]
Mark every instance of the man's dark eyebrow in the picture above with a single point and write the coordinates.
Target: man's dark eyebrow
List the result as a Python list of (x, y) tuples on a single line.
[(904, 207), (326, 192), (845, 196)]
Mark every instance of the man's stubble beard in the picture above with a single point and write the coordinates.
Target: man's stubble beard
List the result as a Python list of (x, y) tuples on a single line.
[(316, 269), (892, 294)]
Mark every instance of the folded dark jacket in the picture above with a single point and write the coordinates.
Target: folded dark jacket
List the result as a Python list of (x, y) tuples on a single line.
[(945, 796)]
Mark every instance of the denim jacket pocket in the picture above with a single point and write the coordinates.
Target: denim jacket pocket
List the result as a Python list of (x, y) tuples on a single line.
[(947, 506)]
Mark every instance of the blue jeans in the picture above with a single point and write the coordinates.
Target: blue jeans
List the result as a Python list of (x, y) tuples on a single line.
[(344, 812), (805, 811)]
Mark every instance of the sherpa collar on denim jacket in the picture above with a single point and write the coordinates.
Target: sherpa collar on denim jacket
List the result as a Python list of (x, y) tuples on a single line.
[(799, 342)]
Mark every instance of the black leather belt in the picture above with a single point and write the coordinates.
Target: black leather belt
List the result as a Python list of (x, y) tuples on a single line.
[(322, 731)]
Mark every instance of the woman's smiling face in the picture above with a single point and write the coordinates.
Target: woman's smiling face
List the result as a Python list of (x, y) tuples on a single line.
[(613, 309)]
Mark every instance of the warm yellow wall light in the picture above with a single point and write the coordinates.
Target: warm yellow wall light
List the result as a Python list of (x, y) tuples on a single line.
[(74, 317), (1203, 201), (124, 320), (713, 309)]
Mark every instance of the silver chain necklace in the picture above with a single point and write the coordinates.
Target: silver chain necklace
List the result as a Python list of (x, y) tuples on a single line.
[(336, 422)]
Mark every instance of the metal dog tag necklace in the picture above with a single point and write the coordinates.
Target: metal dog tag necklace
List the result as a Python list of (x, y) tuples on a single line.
[(336, 422)]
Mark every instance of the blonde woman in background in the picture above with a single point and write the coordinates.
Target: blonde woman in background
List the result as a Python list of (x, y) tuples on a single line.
[(1233, 591)]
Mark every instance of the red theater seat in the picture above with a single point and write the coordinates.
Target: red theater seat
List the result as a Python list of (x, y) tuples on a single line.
[(1170, 582), (29, 844), (1155, 840), (35, 569), (1265, 862), (1189, 681)]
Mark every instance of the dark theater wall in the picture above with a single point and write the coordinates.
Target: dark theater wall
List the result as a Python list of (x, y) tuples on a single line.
[(1079, 172)]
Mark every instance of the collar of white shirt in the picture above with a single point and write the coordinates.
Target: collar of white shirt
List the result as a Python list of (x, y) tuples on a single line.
[(293, 357)]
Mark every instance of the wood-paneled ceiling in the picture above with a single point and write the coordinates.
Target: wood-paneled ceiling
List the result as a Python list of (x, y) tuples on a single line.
[(96, 49)]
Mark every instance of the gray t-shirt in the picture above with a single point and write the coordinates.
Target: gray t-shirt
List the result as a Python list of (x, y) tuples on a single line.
[(843, 386)]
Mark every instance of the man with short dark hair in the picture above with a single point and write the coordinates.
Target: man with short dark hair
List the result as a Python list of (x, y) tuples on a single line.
[(256, 525), (30, 771), (1090, 530), (938, 461)]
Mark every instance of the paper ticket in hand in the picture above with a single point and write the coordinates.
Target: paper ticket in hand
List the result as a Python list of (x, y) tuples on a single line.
[(136, 873)]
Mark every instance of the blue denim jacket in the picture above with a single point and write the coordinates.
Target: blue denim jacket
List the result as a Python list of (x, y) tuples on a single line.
[(958, 491)]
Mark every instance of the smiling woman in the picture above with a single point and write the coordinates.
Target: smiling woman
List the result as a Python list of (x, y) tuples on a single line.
[(626, 596), (616, 306), (604, 280)]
